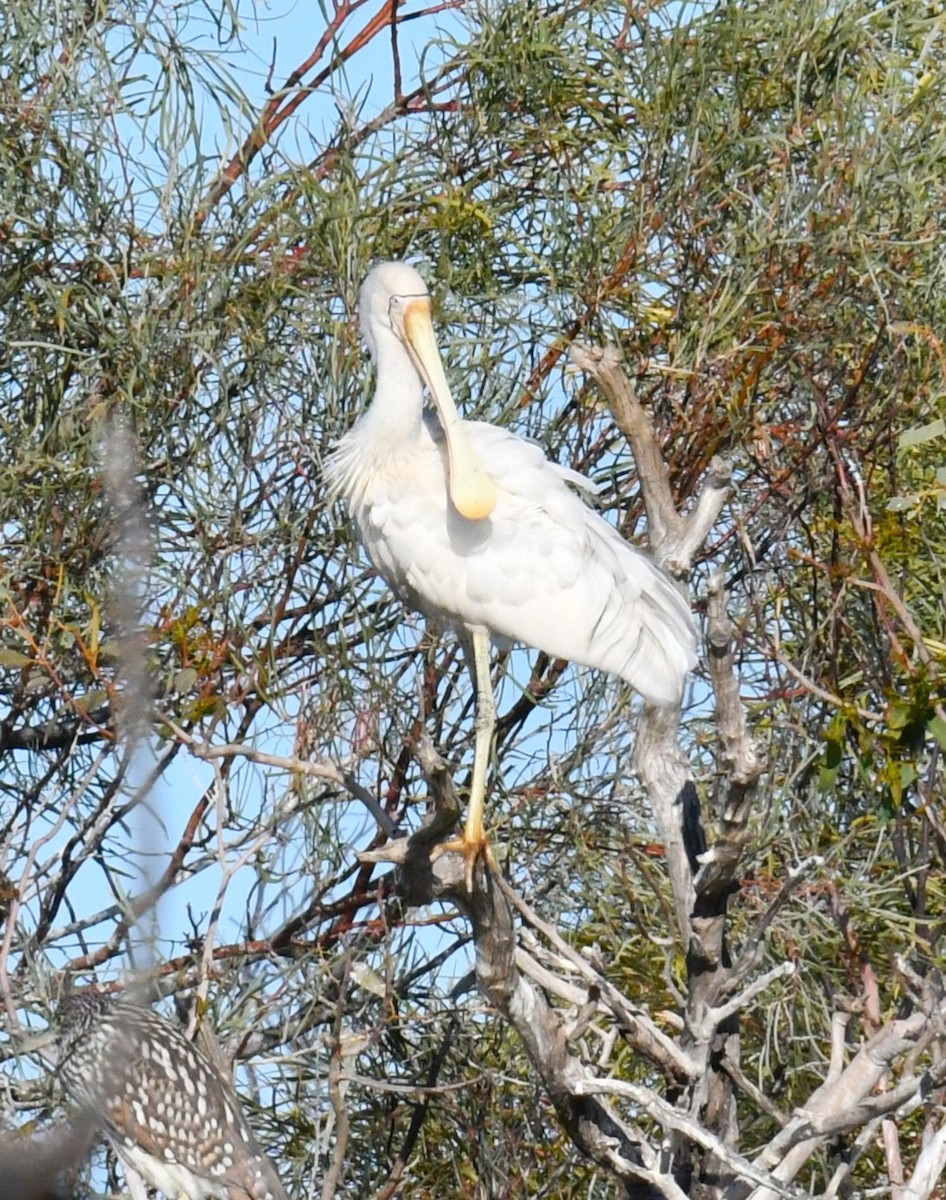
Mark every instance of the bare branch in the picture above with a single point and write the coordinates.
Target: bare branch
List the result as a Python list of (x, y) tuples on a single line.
[(717, 1016), (698, 524), (673, 1119), (637, 1025), (665, 526), (741, 765), (787, 1153), (928, 1172)]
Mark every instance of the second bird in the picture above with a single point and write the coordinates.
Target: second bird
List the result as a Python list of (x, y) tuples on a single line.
[(473, 526), (174, 1123)]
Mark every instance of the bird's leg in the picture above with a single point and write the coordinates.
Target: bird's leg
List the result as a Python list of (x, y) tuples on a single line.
[(474, 834), (474, 841)]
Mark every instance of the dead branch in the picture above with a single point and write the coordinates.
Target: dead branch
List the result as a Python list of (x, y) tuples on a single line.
[(636, 1024), (930, 1165), (790, 1149), (673, 1119), (674, 538), (595, 1128), (741, 766)]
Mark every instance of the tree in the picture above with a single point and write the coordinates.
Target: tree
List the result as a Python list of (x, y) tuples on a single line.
[(716, 226)]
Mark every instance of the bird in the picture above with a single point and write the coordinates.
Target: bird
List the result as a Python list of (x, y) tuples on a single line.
[(169, 1115), (474, 527)]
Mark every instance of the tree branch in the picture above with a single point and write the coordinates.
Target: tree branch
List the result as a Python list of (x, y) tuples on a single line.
[(740, 763), (597, 1131), (790, 1149)]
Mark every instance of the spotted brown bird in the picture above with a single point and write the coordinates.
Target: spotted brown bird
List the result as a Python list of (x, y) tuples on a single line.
[(173, 1121)]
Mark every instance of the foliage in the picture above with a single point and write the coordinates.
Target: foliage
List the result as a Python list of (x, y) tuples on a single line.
[(747, 199)]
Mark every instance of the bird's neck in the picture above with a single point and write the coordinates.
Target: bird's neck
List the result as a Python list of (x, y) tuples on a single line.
[(396, 413)]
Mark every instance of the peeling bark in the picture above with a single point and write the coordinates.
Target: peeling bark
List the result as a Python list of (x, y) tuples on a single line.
[(696, 1149)]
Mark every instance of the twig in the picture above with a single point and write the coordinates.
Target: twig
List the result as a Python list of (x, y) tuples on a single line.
[(318, 770), (673, 1119), (294, 93), (716, 1016), (26, 876), (755, 1094)]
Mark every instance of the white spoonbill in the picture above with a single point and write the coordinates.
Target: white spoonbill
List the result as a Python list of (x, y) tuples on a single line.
[(473, 526)]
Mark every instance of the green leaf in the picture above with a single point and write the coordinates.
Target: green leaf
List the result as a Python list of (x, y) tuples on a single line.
[(94, 698), (13, 658), (921, 433), (899, 713), (830, 765), (936, 727)]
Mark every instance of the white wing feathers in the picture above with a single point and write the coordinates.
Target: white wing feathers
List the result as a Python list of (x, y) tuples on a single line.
[(544, 569)]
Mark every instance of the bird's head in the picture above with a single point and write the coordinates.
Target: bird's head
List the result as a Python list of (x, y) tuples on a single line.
[(76, 1020), (389, 281), (394, 299), (82, 1006)]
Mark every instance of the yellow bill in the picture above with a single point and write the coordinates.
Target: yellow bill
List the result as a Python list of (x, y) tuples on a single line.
[(472, 491)]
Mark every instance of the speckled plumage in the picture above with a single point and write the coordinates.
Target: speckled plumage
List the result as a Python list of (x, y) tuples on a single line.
[(161, 1103)]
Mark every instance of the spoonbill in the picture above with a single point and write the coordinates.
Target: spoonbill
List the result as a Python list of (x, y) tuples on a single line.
[(474, 527)]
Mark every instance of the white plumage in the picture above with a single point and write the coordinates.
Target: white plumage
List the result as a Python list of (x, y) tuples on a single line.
[(472, 525)]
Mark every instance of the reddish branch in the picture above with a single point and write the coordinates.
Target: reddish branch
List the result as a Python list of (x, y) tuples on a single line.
[(294, 92), (148, 898)]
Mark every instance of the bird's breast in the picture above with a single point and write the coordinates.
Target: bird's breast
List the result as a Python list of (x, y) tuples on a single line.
[(543, 569), (415, 537)]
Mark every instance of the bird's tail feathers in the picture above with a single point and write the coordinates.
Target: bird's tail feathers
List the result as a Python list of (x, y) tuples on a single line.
[(665, 649)]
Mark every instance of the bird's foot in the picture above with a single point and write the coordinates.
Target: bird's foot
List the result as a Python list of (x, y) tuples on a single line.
[(473, 848)]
